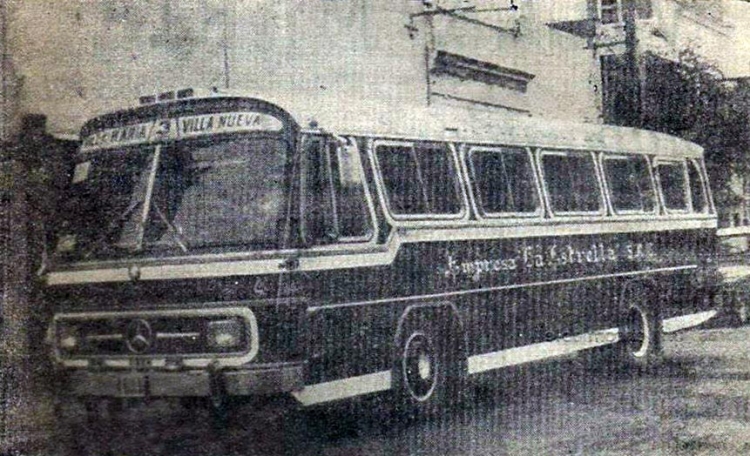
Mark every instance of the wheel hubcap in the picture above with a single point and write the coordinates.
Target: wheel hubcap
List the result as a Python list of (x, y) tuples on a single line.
[(425, 369), (419, 367)]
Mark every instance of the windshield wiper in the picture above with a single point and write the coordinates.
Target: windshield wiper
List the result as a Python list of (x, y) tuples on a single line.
[(171, 228)]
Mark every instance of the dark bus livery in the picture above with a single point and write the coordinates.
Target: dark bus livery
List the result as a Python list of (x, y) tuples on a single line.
[(221, 246)]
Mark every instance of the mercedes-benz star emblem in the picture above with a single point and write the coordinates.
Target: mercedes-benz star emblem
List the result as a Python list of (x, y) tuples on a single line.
[(139, 336)]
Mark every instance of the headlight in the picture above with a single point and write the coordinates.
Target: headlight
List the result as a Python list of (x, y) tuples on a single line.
[(225, 333)]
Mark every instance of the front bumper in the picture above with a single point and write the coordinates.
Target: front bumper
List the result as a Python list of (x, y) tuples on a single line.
[(241, 382)]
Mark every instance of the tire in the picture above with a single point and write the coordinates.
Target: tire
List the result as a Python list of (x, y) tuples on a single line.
[(639, 348), (429, 370)]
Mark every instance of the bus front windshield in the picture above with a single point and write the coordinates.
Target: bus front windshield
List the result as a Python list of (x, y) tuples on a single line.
[(191, 196)]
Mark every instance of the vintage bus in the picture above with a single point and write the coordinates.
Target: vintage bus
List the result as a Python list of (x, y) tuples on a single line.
[(227, 246)]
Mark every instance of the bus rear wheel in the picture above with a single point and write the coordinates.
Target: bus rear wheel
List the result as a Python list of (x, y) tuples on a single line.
[(640, 338), (428, 372)]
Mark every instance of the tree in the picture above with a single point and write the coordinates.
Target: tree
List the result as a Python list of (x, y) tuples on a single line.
[(691, 99)]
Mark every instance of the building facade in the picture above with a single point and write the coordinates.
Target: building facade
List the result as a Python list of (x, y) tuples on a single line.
[(496, 55)]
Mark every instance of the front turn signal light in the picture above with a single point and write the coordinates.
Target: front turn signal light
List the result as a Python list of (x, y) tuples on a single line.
[(224, 334)]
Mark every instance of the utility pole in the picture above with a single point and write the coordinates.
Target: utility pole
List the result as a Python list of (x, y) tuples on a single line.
[(225, 44), (633, 70)]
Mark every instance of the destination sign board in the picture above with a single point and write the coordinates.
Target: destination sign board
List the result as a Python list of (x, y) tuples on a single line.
[(184, 127), (118, 137), (226, 122)]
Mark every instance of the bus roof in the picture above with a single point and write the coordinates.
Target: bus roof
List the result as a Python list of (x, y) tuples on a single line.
[(473, 126), (435, 123)]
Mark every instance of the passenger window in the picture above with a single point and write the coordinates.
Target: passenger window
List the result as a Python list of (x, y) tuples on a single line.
[(419, 179), (697, 190), (673, 185), (503, 181), (572, 185), (629, 183), (334, 199), (352, 213)]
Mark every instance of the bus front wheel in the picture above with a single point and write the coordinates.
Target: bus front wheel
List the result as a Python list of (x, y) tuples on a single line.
[(428, 372)]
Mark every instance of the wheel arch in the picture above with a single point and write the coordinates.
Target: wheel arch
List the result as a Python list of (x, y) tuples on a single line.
[(630, 287), (442, 309)]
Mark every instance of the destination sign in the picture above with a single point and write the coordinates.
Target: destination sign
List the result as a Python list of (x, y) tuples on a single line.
[(118, 137), (181, 128), (227, 122)]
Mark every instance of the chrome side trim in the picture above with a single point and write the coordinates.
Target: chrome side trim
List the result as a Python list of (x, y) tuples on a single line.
[(344, 388), (673, 324), (543, 350)]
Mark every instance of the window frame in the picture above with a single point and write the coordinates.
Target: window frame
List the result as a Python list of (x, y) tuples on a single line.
[(327, 140), (603, 156), (658, 161), (705, 189), (541, 152), (618, 9), (466, 154), (383, 191), (621, 9)]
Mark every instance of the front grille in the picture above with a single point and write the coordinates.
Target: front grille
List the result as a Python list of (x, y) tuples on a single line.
[(149, 334)]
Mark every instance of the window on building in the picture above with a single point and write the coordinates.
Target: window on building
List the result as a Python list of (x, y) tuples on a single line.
[(571, 182), (629, 182), (466, 68), (503, 181), (610, 11), (613, 11), (673, 185), (334, 199), (419, 179)]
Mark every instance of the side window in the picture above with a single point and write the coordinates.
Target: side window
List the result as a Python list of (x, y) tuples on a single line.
[(352, 213), (317, 193), (419, 179), (697, 189), (503, 181), (334, 200), (673, 185), (629, 182), (571, 182)]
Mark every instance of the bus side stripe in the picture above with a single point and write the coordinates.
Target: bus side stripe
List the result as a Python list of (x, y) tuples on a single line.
[(673, 324), (344, 388), (543, 350)]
